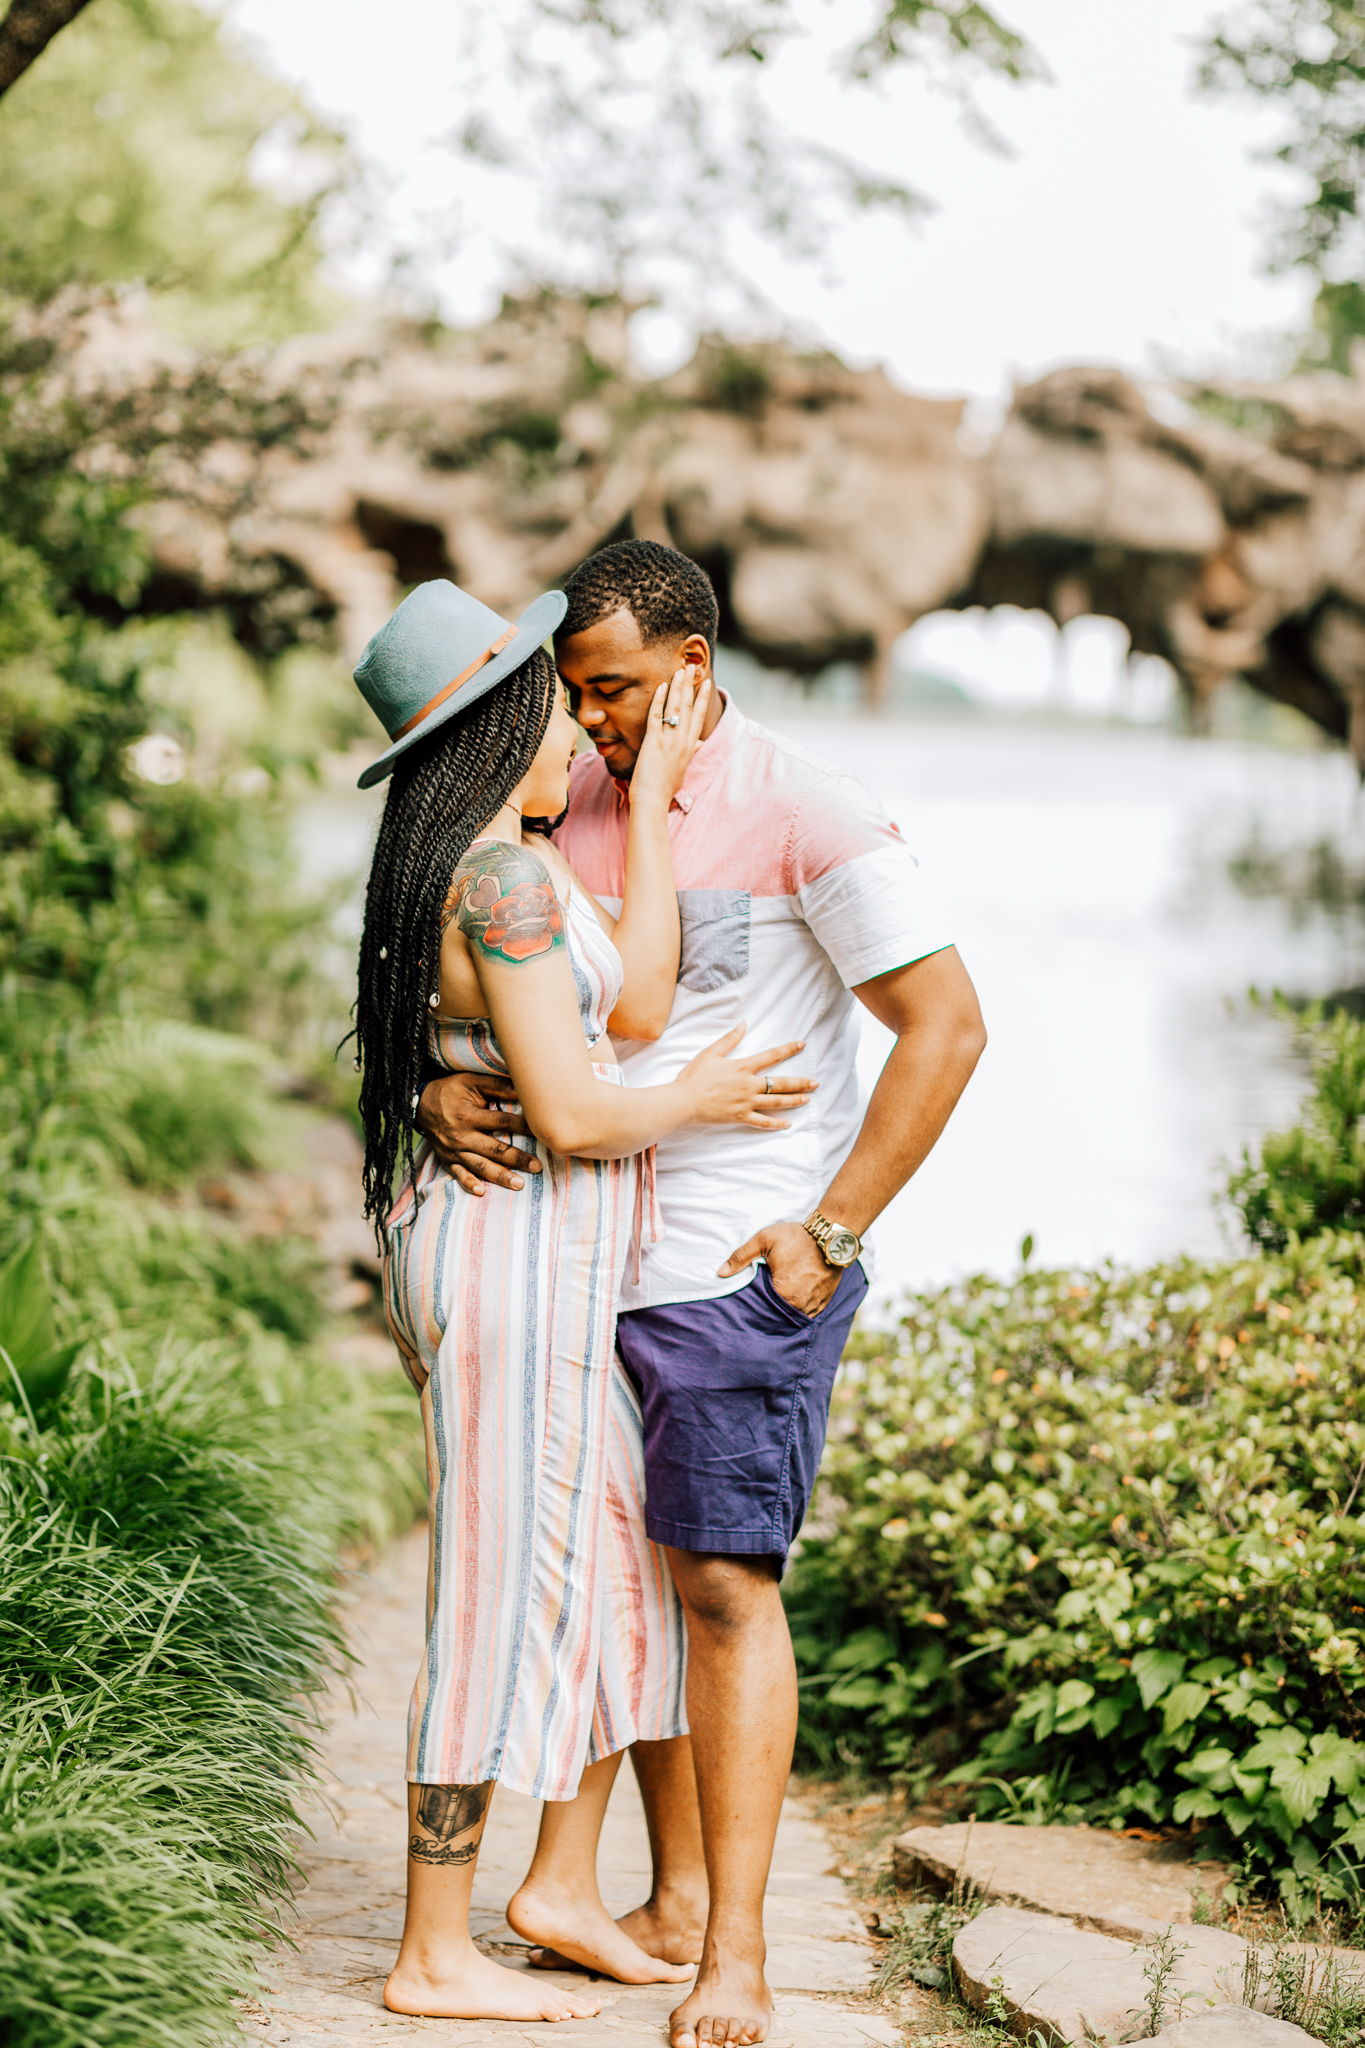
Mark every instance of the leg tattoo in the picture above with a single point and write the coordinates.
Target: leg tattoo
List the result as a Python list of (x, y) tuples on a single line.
[(445, 1812)]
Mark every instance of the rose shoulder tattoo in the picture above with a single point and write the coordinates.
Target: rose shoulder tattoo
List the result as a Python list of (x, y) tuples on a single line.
[(503, 900), (444, 1813)]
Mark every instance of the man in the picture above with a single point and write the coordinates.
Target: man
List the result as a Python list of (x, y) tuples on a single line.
[(797, 895)]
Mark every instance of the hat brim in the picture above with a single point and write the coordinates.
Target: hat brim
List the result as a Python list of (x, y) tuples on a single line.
[(534, 627)]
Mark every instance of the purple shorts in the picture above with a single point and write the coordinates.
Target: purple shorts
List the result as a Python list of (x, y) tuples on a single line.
[(736, 1395)]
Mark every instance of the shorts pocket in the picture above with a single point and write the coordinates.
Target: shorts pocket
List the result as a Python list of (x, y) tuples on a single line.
[(715, 938)]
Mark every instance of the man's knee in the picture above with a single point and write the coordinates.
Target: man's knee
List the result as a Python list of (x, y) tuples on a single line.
[(723, 1592)]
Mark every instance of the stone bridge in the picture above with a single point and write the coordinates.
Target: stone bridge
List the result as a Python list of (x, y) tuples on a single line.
[(1224, 527)]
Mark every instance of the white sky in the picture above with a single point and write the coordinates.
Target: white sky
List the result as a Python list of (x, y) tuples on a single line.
[(1125, 228)]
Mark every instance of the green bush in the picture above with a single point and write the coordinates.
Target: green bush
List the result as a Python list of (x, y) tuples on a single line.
[(1311, 1177), (1094, 1539)]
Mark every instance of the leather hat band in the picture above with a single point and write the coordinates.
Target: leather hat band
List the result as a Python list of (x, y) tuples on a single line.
[(458, 683)]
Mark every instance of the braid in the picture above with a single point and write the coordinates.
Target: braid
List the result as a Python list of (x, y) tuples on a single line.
[(440, 794)]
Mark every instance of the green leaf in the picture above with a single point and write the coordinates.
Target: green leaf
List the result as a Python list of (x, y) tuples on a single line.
[(857, 1692), (1073, 1708), (861, 1651), (1273, 1747), (1198, 1804), (1106, 1717), (27, 1331), (1156, 1671), (1345, 1760), (1251, 1785), (1186, 1703), (1302, 1783), (1210, 1768), (1238, 1815)]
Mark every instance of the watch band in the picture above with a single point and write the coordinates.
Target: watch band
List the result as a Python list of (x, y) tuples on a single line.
[(821, 1229)]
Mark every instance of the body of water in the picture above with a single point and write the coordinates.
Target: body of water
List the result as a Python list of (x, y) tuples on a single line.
[(1083, 869)]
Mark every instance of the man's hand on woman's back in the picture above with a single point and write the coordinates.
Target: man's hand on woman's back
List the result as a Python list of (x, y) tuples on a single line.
[(468, 1132)]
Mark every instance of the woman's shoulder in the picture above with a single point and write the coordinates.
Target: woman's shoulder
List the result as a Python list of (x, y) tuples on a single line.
[(502, 898)]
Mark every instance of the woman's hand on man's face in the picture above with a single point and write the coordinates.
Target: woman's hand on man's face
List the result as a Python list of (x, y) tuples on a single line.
[(460, 1115), (672, 736)]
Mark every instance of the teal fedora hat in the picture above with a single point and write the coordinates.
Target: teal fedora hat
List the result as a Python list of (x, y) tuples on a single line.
[(440, 651)]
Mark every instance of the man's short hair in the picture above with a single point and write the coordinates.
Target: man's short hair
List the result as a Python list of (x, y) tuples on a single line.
[(669, 596)]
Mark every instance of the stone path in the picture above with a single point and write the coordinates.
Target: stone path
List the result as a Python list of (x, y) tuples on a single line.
[(351, 1911)]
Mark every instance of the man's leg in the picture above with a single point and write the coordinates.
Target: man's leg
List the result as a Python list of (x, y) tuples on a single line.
[(735, 1397), (741, 1703)]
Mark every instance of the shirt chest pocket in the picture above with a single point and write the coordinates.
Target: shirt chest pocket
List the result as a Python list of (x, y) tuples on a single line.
[(715, 937)]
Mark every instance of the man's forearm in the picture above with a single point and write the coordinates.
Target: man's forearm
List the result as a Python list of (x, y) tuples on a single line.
[(925, 1074)]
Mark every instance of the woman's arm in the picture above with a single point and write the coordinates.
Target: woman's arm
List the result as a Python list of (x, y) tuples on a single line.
[(506, 912), (647, 933)]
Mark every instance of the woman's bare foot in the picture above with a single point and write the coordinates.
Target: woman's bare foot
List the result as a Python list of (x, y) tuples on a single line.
[(674, 1931), (576, 1931), (730, 2007), (481, 1989)]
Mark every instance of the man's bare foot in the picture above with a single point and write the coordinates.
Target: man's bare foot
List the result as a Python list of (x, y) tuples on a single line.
[(574, 1931), (481, 1989), (672, 1929), (730, 2007)]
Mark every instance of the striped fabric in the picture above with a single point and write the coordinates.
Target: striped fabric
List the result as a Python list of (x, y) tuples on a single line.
[(555, 1636)]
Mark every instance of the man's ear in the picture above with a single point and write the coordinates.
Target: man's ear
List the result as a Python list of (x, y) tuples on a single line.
[(695, 653)]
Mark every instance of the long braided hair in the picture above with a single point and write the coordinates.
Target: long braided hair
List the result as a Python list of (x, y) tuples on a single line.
[(440, 795)]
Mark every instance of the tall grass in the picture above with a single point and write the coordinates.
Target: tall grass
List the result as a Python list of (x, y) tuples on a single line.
[(170, 1527)]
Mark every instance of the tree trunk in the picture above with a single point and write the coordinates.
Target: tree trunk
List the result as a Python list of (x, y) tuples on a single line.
[(27, 30)]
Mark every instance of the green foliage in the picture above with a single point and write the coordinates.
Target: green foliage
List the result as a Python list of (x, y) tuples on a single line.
[(1308, 57), (1095, 1542), (166, 1556), (110, 881), (1305, 1990), (963, 30), (920, 1950), (133, 150), (587, 89), (1311, 1177), (171, 1506), (36, 1364)]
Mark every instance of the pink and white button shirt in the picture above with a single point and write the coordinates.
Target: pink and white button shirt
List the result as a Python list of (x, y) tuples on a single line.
[(794, 886)]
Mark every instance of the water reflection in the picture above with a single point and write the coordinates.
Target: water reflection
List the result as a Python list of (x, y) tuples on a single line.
[(1085, 873)]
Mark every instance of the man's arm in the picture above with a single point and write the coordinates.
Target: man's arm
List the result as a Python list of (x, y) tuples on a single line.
[(932, 1008)]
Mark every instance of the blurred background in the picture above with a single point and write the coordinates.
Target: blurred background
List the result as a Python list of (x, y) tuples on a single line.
[(999, 365)]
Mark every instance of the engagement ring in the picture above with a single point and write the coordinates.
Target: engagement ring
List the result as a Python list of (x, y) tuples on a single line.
[(672, 719)]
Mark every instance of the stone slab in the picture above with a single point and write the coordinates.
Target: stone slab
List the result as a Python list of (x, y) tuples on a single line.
[(348, 1917), (1229, 2026), (1075, 1985), (1111, 1883)]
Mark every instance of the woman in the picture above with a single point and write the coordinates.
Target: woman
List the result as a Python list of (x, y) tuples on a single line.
[(484, 953)]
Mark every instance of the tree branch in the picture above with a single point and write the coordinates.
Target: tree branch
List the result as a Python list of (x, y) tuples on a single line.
[(27, 30)]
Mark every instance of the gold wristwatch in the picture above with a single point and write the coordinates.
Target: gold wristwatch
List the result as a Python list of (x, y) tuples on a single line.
[(839, 1245)]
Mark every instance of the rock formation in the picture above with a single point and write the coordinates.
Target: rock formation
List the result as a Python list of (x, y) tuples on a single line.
[(831, 508)]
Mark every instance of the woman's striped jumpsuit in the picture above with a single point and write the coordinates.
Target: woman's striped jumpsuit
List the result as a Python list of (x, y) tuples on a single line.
[(555, 1636)]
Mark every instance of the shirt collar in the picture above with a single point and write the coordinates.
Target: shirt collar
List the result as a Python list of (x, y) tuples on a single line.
[(708, 761)]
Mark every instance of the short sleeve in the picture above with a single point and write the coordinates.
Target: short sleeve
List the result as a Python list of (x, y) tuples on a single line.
[(861, 890)]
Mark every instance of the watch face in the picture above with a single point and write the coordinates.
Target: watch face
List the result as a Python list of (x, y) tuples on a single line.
[(841, 1248)]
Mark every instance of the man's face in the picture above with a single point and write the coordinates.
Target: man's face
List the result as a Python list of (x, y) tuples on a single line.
[(612, 678)]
